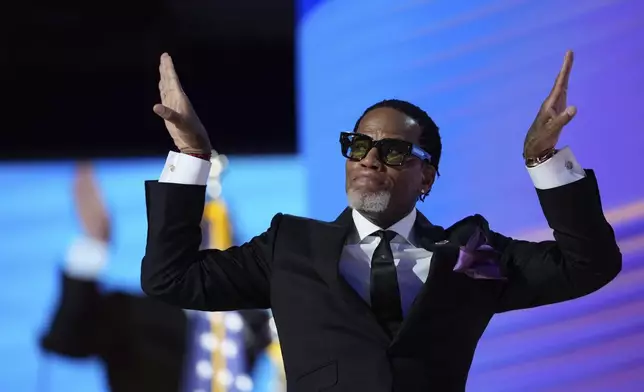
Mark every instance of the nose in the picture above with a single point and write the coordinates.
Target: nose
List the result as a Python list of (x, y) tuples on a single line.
[(371, 160)]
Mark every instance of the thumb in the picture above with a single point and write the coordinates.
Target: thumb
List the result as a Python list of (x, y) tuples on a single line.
[(167, 114), (564, 118)]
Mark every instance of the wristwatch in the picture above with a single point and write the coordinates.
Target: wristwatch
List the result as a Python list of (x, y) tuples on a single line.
[(544, 156)]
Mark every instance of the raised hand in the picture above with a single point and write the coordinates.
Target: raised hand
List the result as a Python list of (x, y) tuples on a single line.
[(552, 117), (182, 122), (90, 207)]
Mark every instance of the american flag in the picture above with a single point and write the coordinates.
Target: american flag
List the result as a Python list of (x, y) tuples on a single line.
[(217, 360)]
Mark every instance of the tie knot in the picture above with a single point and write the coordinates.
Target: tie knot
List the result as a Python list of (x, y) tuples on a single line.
[(386, 235)]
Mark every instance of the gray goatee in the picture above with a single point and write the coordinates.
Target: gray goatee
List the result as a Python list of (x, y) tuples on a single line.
[(372, 202)]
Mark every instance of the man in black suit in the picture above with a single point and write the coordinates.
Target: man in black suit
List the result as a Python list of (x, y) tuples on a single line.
[(380, 299)]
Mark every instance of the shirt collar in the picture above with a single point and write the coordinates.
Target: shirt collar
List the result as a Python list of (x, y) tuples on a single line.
[(403, 227)]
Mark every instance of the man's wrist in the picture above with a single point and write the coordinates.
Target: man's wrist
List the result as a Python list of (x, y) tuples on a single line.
[(182, 168), (205, 157), (201, 154), (538, 159), (561, 169)]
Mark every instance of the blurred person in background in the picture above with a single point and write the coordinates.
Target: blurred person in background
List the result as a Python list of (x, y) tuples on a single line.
[(380, 299), (141, 341), (145, 344)]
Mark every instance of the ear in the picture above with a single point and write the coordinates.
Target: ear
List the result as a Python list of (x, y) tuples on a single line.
[(429, 175)]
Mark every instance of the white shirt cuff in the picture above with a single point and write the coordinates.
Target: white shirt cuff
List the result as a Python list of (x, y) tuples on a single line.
[(562, 169), (185, 169), (86, 258)]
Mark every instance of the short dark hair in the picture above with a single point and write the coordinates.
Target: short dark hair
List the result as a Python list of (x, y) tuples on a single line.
[(430, 139)]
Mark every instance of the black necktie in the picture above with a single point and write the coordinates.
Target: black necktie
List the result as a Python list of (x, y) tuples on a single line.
[(385, 295)]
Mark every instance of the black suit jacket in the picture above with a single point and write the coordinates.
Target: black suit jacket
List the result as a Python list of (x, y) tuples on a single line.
[(141, 341), (330, 339)]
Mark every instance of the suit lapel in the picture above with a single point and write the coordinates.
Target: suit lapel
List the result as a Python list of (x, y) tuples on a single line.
[(434, 239), (431, 238), (443, 288), (327, 242)]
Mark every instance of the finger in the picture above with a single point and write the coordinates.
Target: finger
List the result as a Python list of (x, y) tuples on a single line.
[(161, 76), (87, 194), (84, 174), (84, 168), (162, 92), (561, 82), (170, 77), (563, 118), (167, 114), (162, 73), (569, 58), (83, 179)]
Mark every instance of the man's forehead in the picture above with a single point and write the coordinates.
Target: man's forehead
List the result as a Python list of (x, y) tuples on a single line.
[(388, 122)]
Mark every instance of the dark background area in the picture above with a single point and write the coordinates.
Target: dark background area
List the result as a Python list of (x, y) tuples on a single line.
[(81, 78)]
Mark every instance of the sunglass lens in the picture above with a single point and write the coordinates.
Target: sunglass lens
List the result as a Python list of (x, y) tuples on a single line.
[(356, 146), (359, 148), (395, 152)]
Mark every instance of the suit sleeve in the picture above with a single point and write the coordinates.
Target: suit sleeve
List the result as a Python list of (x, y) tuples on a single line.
[(583, 257), (174, 270), (74, 327)]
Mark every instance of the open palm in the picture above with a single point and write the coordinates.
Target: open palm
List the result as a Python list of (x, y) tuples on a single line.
[(182, 122), (553, 115)]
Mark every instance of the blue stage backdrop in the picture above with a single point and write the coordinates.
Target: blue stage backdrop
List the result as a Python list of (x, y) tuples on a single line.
[(481, 69), (38, 222)]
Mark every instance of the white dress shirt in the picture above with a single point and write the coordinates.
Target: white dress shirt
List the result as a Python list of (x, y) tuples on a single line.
[(412, 263)]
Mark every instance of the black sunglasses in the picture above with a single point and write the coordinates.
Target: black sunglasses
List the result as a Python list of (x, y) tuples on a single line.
[(392, 152)]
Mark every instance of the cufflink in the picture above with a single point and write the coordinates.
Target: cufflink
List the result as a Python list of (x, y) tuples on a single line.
[(569, 165), (171, 168)]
